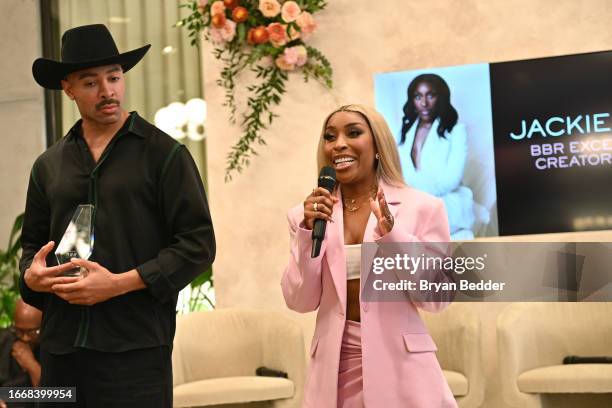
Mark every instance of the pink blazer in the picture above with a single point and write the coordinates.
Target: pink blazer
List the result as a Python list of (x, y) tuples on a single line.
[(400, 368)]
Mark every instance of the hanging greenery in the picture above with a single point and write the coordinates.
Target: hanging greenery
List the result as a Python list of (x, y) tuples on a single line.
[(267, 38)]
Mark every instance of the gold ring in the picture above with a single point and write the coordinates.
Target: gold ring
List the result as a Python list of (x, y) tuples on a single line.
[(315, 206)]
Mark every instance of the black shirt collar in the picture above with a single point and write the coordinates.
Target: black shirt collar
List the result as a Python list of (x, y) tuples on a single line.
[(134, 124)]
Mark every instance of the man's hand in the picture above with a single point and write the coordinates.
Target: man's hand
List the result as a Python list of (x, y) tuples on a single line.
[(99, 285), (22, 353), (39, 278), (24, 356)]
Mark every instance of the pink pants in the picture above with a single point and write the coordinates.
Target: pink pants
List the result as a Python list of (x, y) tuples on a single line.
[(350, 382)]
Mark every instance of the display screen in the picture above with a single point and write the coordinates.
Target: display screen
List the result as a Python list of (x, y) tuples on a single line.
[(512, 148)]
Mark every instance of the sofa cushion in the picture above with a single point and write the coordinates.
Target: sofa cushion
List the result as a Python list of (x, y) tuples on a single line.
[(457, 382), (567, 378), (230, 390)]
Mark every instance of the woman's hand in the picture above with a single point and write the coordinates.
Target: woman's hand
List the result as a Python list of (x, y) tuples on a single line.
[(319, 204), (381, 211)]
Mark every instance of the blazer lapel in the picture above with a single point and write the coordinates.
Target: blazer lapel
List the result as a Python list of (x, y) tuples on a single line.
[(408, 164), (335, 254), (335, 250)]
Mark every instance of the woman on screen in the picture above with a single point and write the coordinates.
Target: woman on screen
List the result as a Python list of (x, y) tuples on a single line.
[(376, 354), (433, 150)]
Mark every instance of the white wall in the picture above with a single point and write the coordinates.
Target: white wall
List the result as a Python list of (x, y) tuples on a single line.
[(21, 106)]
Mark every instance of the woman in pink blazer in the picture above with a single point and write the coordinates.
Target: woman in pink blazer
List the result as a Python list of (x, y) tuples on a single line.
[(363, 354)]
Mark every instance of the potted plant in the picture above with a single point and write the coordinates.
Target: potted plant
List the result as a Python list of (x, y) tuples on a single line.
[(9, 274)]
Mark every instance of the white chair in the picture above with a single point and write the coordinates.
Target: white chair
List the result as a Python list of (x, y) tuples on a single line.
[(216, 354), (534, 338), (457, 334)]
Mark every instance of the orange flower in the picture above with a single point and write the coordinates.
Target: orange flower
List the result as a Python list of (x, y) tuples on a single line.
[(250, 38), (278, 34), (240, 14), (218, 20), (231, 4), (259, 35)]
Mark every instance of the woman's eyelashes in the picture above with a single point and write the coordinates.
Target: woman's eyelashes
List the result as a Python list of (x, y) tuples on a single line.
[(354, 132), (328, 137), (351, 133), (429, 96)]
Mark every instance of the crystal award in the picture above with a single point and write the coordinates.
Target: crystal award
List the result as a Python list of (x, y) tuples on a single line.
[(78, 240)]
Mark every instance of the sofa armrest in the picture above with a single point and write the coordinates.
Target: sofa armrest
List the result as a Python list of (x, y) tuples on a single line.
[(284, 350), (457, 333)]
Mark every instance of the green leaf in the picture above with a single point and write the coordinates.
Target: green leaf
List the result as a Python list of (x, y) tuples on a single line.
[(206, 276)]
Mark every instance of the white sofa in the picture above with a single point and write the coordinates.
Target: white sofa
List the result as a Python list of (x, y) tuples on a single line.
[(216, 354), (534, 338), (457, 334)]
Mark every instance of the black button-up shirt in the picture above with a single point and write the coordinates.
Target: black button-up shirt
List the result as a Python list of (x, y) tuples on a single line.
[(151, 214)]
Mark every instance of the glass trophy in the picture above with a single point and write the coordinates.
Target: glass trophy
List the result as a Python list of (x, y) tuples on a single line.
[(78, 240)]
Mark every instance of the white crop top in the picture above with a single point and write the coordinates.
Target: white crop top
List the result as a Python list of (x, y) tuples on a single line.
[(353, 261)]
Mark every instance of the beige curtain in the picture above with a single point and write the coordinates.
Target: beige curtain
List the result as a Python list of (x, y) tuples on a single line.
[(170, 72)]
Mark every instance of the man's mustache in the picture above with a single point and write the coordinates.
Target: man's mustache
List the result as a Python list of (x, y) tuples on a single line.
[(108, 102)]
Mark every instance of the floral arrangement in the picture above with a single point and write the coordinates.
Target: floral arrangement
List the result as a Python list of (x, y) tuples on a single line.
[(268, 37)]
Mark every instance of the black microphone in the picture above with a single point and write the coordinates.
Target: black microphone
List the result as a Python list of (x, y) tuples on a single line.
[(587, 360), (327, 180)]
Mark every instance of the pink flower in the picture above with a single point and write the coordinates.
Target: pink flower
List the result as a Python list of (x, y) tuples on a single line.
[(217, 8), (278, 34), (215, 35), (228, 32), (290, 11), (296, 55), (306, 23), (269, 8), (282, 63), (302, 55), (225, 33)]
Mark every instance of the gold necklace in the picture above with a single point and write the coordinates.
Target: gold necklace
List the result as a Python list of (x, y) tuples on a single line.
[(350, 203)]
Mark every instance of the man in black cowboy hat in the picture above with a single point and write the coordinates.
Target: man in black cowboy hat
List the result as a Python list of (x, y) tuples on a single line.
[(110, 332)]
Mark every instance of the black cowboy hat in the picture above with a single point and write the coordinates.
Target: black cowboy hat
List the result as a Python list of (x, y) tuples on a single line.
[(84, 47)]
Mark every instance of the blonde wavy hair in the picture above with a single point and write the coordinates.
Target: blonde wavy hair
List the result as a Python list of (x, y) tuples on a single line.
[(388, 167)]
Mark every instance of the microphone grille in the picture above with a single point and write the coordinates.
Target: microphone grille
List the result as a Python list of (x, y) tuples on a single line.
[(327, 178)]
